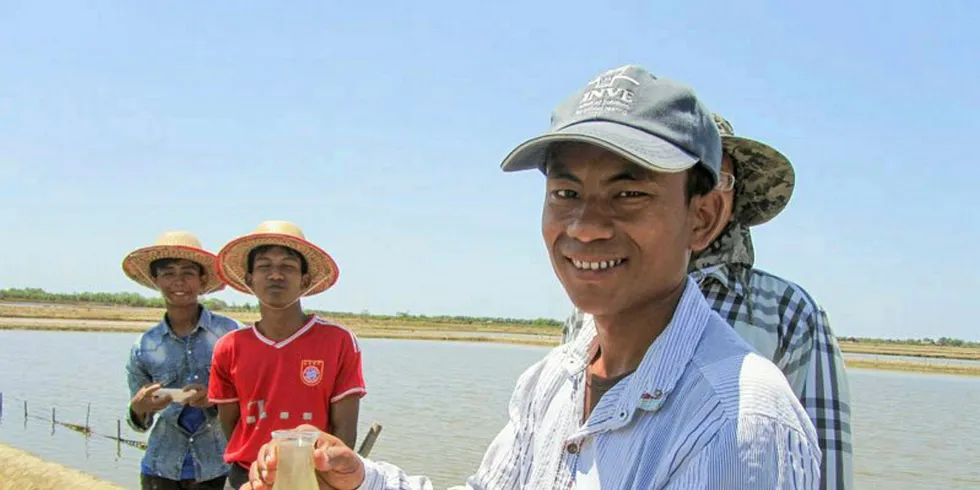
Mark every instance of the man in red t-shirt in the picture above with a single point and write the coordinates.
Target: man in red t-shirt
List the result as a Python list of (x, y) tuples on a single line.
[(290, 368)]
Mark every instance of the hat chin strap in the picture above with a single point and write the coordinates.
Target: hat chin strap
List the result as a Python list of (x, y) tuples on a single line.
[(150, 281)]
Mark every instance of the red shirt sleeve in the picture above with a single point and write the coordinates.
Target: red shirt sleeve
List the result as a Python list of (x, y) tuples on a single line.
[(221, 387), (350, 378)]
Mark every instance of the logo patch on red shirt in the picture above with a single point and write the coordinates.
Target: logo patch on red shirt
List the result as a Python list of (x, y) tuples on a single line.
[(311, 372)]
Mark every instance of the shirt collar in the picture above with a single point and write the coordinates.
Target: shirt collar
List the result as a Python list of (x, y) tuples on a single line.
[(664, 362), (203, 322)]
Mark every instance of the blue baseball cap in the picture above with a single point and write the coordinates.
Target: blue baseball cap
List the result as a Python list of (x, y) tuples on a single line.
[(652, 121)]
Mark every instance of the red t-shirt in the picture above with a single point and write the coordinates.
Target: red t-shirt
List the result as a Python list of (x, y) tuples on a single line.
[(279, 385)]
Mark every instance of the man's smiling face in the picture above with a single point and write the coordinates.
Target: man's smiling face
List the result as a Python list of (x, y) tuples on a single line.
[(619, 235), (179, 280)]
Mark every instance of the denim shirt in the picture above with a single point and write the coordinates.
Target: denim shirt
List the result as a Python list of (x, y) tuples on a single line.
[(160, 356)]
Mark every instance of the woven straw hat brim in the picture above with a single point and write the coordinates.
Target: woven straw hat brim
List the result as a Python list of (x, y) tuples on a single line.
[(136, 265), (233, 260), (765, 180)]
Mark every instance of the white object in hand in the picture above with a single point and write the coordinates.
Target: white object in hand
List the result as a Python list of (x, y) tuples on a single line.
[(176, 394)]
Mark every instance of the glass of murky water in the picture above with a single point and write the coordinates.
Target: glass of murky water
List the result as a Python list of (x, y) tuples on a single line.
[(296, 471)]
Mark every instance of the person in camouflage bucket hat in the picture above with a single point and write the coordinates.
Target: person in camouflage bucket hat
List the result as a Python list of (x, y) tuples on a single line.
[(757, 181), (764, 177), (776, 316)]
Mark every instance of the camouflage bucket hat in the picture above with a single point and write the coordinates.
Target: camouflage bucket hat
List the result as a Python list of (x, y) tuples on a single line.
[(764, 177)]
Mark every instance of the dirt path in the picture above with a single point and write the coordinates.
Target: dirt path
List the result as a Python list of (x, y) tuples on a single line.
[(15, 323), (23, 471), (75, 325)]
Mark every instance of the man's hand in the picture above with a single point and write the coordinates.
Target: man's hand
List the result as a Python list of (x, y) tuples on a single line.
[(337, 466), (200, 397), (144, 402)]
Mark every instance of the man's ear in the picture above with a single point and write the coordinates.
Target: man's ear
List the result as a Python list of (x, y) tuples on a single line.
[(708, 219), (307, 279), (248, 280)]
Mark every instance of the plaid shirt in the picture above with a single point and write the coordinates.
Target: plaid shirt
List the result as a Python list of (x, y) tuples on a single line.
[(786, 325)]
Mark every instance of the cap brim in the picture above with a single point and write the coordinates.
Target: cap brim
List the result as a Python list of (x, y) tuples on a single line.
[(640, 147)]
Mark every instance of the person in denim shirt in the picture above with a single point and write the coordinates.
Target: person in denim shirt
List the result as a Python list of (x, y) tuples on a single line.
[(186, 444)]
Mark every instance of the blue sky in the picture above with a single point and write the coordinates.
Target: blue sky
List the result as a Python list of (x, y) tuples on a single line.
[(379, 128)]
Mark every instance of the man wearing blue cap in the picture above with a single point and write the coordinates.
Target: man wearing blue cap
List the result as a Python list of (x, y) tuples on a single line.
[(778, 317), (658, 391)]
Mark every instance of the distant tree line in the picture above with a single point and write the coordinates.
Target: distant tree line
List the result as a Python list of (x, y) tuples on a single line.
[(115, 299), (941, 341), (137, 300)]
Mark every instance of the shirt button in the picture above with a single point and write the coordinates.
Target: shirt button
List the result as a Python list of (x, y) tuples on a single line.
[(656, 395), (191, 439), (572, 448), (622, 414)]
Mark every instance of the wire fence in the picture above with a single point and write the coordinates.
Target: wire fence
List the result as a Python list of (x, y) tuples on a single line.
[(84, 429)]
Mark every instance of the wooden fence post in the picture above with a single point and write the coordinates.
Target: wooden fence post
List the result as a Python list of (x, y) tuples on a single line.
[(369, 440)]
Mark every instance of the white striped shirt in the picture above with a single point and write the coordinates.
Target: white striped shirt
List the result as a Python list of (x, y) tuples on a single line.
[(784, 324), (701, 411)]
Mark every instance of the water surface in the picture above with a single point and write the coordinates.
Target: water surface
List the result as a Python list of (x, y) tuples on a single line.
[(441, 403)]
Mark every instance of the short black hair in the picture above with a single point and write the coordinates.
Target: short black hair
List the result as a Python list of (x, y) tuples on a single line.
[(158, 264), (304, 267), (699, 182)]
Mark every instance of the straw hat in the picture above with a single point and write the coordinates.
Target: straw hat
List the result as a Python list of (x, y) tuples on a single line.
[(765, 180), (233, 258), (172, 245)]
